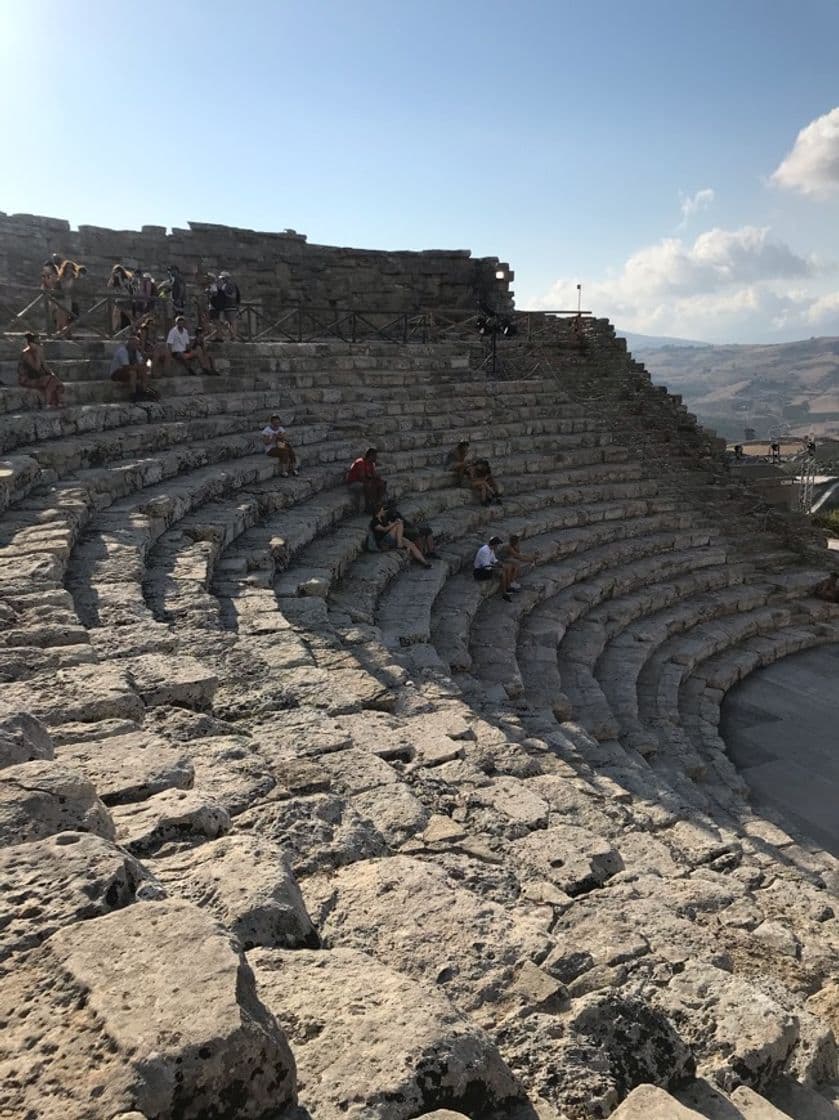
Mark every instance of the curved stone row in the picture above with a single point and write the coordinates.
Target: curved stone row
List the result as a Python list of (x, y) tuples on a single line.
[(347, 807)]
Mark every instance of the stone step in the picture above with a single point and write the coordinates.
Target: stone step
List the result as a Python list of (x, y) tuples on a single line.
[(536, 516), (742, 1103), (648, 1102), (17, 429), (583, 635), (800, 1102), (583, 550)]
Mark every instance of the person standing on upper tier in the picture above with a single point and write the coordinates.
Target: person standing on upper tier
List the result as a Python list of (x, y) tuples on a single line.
[(231, 298)]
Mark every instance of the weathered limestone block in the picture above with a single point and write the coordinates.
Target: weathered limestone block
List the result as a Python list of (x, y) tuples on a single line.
[(151, 1008), (23, 739), (754, 1107), (316, 832), (443, 1114), (231, 770), (396, 813), (86, 693), (739, 1033), (612, 1044), (55, 882), (41, 798), (174, 816), (404, 913), (573, 858), (182, 680), (799, 1101), (126, 768), (246, 883), (417, 1051), (648, 1102)]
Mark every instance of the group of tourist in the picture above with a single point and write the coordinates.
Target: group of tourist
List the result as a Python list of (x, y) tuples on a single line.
[(390, 529), (136, 295)]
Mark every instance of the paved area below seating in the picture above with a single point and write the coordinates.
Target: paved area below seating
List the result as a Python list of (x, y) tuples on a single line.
[(782, 730)]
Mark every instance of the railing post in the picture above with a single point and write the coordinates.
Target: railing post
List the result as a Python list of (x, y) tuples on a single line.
[(47, 321), (352, 320)]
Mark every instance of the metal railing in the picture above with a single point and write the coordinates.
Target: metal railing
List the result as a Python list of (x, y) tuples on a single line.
[(115, 313)]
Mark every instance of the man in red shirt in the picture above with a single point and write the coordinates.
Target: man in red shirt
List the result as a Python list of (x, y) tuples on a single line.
[(365, 482)]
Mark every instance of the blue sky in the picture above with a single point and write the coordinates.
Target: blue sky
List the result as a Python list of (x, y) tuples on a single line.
[(626, 144)]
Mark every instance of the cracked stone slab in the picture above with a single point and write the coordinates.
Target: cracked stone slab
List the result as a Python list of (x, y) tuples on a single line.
[(41, 798), (151, 1009), (247, 884), (55, 882), (418, 1052)]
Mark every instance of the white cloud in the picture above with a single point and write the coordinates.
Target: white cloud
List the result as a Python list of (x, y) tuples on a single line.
[(691, 204), (825, 309), (726, 284), (812, 166)]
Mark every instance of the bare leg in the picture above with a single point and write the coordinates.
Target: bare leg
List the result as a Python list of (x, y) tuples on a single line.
[(54, 392), (412, 550)]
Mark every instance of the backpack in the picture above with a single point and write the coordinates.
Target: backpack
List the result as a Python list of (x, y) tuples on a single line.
[(231, 292)]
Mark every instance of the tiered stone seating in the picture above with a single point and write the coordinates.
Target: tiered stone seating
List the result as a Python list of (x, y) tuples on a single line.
[(495, 840)]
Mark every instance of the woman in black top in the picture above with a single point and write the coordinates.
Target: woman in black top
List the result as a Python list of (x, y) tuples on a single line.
[(390, 534)]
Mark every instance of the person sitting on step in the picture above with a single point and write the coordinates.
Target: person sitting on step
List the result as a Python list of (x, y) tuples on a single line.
[(420, 535), (156, 351), (277, 446), (389, 532), (131, 368), (482, 482), (364, 481), (202, 355), (177, 343), (33, 373), (511, 553), (460, 465), (487, 565), (828, 589)]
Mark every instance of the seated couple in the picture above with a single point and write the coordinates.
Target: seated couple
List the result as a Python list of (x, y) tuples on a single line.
[(389, 529), (504, 562), (477, 472)]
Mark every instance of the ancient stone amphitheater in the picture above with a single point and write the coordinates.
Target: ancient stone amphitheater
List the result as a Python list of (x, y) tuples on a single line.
[(291, 830)]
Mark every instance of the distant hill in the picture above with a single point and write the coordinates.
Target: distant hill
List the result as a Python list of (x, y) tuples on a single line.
[(653, 342), (791, 387)]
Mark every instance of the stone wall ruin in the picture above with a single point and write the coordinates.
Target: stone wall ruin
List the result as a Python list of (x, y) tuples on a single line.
[(276, 270)]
